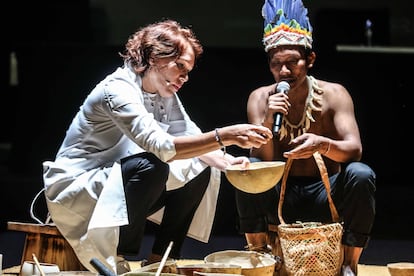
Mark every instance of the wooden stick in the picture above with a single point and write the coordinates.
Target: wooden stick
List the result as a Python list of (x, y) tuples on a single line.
[(42, 273), (164, 259)]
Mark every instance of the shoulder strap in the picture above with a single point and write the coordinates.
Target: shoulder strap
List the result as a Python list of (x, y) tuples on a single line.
[(325, 179)]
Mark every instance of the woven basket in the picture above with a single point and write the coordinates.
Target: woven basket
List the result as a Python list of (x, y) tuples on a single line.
[(311, 248)]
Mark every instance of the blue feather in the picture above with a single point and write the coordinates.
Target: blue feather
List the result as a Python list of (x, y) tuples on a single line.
[(293, 10), (269, 11)]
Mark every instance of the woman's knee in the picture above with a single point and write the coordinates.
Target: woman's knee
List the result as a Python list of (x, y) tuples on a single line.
[(156, 166), (145, 166)]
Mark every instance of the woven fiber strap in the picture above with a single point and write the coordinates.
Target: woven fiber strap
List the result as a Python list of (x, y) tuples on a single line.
[(325, 179)]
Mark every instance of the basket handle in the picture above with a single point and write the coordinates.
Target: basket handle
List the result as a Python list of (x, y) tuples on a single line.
[(325, 179)]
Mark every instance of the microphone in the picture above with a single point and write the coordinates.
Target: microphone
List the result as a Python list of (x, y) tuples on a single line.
[(282, 87)]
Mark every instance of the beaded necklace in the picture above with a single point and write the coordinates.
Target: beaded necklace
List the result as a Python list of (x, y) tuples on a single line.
[(313, 103)]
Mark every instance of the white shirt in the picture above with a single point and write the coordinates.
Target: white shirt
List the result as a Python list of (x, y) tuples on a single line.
[(83, 185)]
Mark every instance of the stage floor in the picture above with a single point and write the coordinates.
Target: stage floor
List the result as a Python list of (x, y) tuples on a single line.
[(363, 270), (373, 260)]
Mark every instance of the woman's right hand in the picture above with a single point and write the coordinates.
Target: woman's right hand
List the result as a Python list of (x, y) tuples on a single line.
[(245, 135)]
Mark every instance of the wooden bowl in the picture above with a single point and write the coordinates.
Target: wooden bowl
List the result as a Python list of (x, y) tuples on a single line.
[(258, 177), (252, 263), (170, 266), (199, 273), (401, 269), (148, 273), (190, 269)]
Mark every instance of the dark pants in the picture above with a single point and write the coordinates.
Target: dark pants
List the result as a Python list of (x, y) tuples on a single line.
[(352, 191), (144, 177)]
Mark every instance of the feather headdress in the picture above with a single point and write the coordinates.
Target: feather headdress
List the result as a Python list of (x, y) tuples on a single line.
[(286, 22)]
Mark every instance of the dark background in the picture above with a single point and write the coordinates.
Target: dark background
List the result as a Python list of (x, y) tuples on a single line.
[(64, 48)]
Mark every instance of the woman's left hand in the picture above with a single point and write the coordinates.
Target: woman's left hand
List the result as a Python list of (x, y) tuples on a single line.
[(221, 161), (243, 160)]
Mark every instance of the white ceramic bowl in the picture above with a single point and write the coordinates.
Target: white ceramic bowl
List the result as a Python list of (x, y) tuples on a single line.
[(29, 268), (73, 273)]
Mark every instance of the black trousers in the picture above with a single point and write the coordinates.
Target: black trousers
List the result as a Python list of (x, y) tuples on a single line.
[(144, 177), (352, 190)]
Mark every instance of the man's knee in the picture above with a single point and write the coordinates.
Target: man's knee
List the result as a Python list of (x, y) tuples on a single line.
[(361, 175)]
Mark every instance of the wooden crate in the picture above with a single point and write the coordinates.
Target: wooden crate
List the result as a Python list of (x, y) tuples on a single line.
[(49, 246)]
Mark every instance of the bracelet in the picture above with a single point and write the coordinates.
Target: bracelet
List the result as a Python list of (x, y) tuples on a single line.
[(218, 140), (329, 147)]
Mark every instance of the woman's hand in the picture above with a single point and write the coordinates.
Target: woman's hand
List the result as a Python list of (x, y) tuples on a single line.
[(221, 161), (245, 135), (242, 160)]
